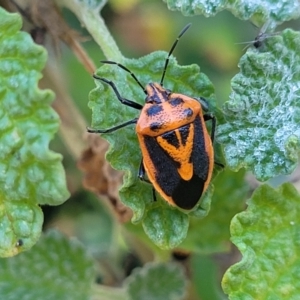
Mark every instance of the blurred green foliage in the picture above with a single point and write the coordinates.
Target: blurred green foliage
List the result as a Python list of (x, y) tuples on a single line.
[(215, 44), (140, 27)]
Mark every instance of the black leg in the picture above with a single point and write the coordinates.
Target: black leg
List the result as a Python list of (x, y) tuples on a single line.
[(133, 121), (120, 98), (211, 117), (142, 173), (153, 194), (219, 164), (141, 176)]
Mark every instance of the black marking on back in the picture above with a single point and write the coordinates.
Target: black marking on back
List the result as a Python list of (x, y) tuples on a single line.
[(188, 112), (155, 126), (154, 110), (166, 174), (184, 132), (171, 138), (199, 156), (175, 101), (185, 194)]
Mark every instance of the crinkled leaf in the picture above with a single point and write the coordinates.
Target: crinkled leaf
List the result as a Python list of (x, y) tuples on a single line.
[(167, 228), (267, 234), (259, 11), (262, 130), (21, 223), (262, 11), (30, 174), (124, 153), (157, 282), (55, 268), (211, 234), (196, 7)]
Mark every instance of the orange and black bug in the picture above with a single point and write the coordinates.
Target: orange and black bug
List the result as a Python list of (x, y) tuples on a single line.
[(177, 150)]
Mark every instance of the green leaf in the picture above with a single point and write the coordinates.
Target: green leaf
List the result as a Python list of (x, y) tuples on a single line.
[(259, 11), (211, 234), (55, 268), (30, 174), (262, 11), (157, 282), (197, 7), (21, 224), (204, 277), (124, 153), (92, 223), (262, 132), (267, 234), (167, 227)]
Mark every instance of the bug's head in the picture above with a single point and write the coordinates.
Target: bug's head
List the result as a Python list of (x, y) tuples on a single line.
[(156, 94)]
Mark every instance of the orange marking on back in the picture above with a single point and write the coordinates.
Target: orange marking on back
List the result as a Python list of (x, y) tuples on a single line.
[(182, 153)]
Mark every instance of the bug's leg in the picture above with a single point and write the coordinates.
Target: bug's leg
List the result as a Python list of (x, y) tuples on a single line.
[(141, 176), (208, 116), (123, 101), (92, 130), (204, 103), (211, 117), (219, 164), (142, 173), (153, 194), (120, 98)]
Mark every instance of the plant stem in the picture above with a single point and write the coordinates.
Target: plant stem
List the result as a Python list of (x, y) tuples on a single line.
[(91, 19), (73, 124)]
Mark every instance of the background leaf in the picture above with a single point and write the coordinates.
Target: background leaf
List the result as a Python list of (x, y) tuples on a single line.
[(267, 234), (144, 283), (30, 174), (205, 278), (166, 227), (262, 132), (211, 234), (195, 7), (55, 268), (259, 11)]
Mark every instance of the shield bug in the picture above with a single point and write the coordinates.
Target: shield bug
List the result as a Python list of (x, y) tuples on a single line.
[(177, 150)]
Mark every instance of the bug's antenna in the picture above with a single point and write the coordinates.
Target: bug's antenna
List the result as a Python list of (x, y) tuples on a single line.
[(171, 51), (127, 70)]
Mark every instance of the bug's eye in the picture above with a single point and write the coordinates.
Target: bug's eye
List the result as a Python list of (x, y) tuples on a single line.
[(149, 100), (168, 92)]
